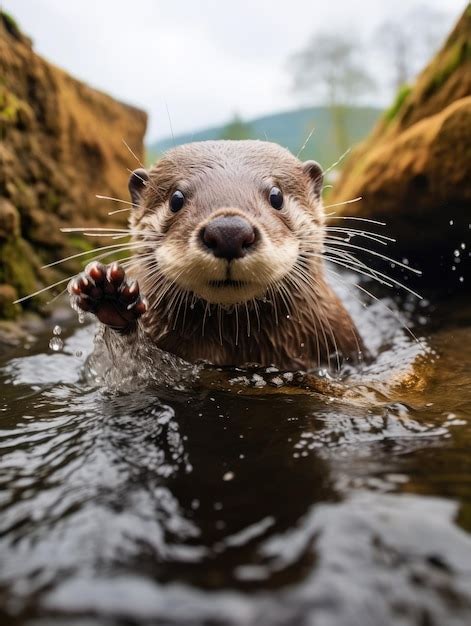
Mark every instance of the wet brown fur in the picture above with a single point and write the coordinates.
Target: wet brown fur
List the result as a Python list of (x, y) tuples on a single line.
[(301, 324)]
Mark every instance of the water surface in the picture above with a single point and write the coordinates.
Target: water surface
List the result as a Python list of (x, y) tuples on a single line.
[(193, 504)]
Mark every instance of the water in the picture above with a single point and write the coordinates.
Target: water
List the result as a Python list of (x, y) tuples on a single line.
[(221, 500)]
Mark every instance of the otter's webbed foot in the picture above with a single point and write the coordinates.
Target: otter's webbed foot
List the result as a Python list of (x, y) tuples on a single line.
[(107, 293)]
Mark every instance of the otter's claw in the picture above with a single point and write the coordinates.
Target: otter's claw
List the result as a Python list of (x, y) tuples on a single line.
[(106, 292)]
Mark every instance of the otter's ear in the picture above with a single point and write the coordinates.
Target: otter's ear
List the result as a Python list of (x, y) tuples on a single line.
[(316, 174), (137, 184)]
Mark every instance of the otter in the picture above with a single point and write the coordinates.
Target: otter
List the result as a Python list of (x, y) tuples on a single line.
[(228, 262)]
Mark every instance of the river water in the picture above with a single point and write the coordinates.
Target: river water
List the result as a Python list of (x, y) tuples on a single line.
[(241, 503)]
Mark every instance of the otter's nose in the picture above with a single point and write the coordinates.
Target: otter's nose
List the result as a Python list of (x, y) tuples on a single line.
[(228, 237)]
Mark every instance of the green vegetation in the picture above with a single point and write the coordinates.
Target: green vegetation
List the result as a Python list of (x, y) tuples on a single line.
[(396, 106), (10, 106), (237, 129), (10, 24), (290, 129), (331, 69), (16, 268), (453, 58), (81, 243)]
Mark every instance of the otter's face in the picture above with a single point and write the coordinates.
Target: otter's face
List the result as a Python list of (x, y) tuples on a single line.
[(231, 216)]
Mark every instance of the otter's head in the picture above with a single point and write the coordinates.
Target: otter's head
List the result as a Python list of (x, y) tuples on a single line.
[(226, 220)]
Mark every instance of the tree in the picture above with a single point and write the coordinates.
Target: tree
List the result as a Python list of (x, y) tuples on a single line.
[(407, 42), (330, 69), (236, 129)]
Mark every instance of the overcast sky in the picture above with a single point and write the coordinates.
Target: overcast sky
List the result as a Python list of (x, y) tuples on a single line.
[(203, 59)]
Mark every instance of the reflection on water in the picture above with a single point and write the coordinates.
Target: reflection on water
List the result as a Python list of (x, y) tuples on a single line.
[(218, 505)]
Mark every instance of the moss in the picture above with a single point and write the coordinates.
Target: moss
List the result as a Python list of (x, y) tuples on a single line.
[(10, 24), (454, 57), (113, 255), (8, 310), (16, 266), (52, 201), (9, 106), (80, 243), (396, 106)]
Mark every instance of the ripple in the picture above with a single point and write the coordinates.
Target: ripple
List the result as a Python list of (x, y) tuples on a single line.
[(182, 501)]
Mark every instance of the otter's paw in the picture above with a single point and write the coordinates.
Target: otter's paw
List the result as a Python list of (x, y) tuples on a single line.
[(106, 292)]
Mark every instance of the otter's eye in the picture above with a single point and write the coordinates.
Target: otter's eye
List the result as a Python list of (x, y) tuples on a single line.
[(276, 198), (177, 201)]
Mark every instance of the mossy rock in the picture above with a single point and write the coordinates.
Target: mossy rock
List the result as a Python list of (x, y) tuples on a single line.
[(62, 145), (9, 220), (412, 172), (8, 295), (13, 111), (451, 60), (10, 25), (398, 103), (17, 263)]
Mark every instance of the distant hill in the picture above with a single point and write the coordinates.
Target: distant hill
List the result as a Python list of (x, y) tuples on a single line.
[(289, 129)]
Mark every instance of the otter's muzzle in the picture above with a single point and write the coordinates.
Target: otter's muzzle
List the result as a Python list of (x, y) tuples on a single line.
[(229, 237)]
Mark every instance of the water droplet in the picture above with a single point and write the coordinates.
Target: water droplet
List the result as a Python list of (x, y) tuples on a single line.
[(456, 253), (453, 267), (461, 279), (451, 222), (192, 305), (56, 344), (287, 317), (228, 476), (195, 504), (56, 330), (463, 246), (405, 261)]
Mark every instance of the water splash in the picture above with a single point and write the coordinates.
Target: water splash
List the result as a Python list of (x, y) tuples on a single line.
[(56, 344)]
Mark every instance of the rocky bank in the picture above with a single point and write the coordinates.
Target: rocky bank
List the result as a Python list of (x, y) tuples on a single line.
[(61, 144), (414, 170)]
